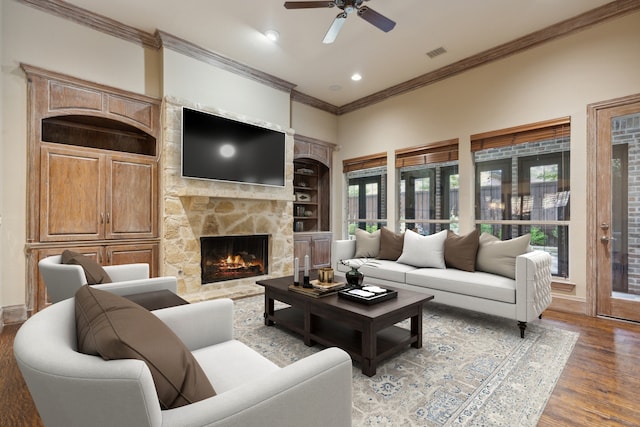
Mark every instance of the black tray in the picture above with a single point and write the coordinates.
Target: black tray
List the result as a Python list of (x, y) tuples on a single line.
[(390, 294)]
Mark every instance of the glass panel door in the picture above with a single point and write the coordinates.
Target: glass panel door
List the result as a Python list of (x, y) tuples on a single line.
[(618, 205)]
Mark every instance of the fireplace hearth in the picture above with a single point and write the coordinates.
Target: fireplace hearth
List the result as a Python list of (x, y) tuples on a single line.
[(233, 257)]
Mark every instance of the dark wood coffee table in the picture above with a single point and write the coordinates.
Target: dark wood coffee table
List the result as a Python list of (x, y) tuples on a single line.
[(367, 332)]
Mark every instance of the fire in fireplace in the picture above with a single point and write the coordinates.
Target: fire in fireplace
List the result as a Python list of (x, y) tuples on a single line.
[(233, 257)]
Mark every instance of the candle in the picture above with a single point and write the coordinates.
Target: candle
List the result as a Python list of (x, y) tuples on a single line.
[(296, 271), (306, 265)]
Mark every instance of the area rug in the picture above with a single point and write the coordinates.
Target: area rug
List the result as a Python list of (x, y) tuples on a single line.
[(473, 369)]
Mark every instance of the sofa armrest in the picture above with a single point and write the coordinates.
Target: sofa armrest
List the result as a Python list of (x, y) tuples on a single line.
[(342, 249), (200, 324), (126, 272), (312, 392), (533, 284), (129, 287)]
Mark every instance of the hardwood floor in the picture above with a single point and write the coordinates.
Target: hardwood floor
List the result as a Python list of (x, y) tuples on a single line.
[(600, 385)]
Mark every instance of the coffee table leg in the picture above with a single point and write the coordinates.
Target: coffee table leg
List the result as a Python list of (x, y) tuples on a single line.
[(369, 351), (268, 309), (416, 328)]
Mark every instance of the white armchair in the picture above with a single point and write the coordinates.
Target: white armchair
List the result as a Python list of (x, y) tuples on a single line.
[(74, 389), (63, 280)]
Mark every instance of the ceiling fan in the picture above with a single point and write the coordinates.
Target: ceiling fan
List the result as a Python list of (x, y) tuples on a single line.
[(347, 6)]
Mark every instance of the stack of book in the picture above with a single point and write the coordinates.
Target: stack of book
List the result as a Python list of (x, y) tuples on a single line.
[(319, 289)]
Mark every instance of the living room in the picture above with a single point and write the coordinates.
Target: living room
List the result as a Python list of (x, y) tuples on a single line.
[(559, 78)]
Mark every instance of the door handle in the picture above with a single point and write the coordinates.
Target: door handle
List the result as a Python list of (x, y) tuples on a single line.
[(604, 239), (604, 226)]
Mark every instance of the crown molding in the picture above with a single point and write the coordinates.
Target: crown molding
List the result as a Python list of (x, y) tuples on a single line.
[(97, 22), (314, 102), (194, 51), (580, 22)]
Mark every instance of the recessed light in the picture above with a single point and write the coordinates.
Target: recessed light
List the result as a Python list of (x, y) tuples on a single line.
[(335, 88), (356, 77), (272, 35)]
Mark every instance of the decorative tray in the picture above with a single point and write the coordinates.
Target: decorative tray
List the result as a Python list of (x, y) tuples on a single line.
[(368, 294)]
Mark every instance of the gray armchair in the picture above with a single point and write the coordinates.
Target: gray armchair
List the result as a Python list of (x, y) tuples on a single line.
[(74, 389), (63, 280)]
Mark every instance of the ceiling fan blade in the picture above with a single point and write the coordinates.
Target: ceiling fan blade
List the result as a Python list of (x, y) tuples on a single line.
[(335, 28), (307, 4), (376, 19)]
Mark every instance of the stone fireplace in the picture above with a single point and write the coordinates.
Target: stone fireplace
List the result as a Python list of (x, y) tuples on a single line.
[(197, 209)]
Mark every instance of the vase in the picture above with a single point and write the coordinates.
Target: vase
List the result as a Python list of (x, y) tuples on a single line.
[(354, 277)]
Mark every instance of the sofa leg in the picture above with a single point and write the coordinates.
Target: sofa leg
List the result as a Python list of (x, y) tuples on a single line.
[(522, 326)]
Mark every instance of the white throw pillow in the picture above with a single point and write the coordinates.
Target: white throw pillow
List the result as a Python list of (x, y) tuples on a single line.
[(423, 251), (367, 244), (499, 256)]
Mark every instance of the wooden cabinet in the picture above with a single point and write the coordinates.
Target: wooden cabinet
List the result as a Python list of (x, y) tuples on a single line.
[(316, 245), (88, 194), (312, 202), (92, 174)]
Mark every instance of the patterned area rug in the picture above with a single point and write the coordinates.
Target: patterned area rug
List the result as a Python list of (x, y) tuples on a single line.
[(473, 369)]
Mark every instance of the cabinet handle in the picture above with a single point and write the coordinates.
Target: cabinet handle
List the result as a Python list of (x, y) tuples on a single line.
[(107, 217), (101, 217)]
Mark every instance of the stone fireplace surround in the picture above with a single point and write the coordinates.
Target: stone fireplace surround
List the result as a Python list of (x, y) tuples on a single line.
[(195, 208)]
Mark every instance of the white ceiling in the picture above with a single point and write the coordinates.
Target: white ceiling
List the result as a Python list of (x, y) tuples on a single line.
[(234, 28)]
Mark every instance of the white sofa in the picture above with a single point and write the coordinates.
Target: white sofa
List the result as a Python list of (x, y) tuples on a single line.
[(523, 299), (75, 389)]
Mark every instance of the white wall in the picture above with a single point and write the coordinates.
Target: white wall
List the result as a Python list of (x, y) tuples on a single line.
[(554, 80), (200, 83), (309, 121)]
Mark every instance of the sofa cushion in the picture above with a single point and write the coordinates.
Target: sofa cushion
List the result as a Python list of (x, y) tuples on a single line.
[(113, 327), (460, 251), (476, 284), (390, 244), (498, 256), (93, 271), (367, 244), (423, 251)]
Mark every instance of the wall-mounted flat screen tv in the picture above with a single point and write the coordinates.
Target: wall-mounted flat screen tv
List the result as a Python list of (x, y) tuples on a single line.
[(222, 149)]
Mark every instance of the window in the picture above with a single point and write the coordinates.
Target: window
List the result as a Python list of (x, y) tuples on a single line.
[(522, 186), (366, 192), (429, 183)]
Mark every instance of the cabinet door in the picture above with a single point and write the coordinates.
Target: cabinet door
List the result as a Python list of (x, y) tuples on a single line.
[(40, 295), (321, 251), (71, 194), (302, 247), (146, 253), (131, 197)]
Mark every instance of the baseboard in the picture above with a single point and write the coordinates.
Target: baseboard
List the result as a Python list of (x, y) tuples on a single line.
[(13, 314), (568, 304)]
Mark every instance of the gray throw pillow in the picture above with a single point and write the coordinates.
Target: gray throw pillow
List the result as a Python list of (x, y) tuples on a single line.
[(499, 257), (367, 244), (93, 271)]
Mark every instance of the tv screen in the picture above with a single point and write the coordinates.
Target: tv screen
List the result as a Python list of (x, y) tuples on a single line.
[(222, 149)]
